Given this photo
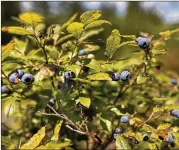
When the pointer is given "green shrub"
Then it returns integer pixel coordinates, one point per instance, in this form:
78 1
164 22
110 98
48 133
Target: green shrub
60 98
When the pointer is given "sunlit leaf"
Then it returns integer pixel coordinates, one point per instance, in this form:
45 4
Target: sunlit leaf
99 76
11 106
94 64
7 141
69 21
75 29
96 23
141 79
53 145
85 101
163 126
35 140
153 146
90 16
16 30
122 143
106 122
31 17
56 131
159 52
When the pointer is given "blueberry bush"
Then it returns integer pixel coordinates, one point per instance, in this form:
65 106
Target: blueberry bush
57 94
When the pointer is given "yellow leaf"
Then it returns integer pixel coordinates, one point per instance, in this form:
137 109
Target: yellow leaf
96 23
31 17
35 140
141 79
85 101
16 30
94 64
75 29
163 126
56 131
90 16
52 145
6 49
99 76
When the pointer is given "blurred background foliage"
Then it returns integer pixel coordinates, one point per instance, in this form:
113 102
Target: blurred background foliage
128 17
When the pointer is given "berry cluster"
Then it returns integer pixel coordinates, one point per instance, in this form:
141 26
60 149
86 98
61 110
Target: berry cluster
124 76
16 77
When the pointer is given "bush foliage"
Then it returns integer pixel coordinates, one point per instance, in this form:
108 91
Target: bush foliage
84 111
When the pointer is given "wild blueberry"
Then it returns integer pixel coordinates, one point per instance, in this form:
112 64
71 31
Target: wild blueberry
174 82
135 141
143 42
85 69
82 52
124 119
175 113
125 75
115 76
27 78
70 84
5 89
69 75
117 131
13 78
170 138
145 137
52 101
20 73
52 104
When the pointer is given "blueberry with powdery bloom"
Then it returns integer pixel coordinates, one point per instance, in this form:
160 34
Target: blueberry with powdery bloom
175 113
145 137
20 73
115 76
13 78
69 75
27 78
81 52
170 138
125 75
142 42
124 119
174 82
5 89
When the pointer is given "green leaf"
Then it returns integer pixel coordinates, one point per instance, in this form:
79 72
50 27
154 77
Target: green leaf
164 126
6 141
16 30
54 145
159 52
96 23
147 128
90 16
75 68
56 131
114 109
106 122
83 81
35 140
133 37
85 101
166 34
153 146
99 76
69 21
11 106
75 29
158 109
141 79
122 143
112 42
94 64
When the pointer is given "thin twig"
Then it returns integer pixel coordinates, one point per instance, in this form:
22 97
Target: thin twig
147 119
81 132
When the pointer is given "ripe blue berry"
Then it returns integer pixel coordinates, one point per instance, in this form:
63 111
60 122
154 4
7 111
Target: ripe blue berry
13 78
170 138
117 131
143 42
5 89
20 73
135 141
115 76
69 84
69 75
82 52
27 78
124 119
145 137
125 75
175 113
174 82
52 101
